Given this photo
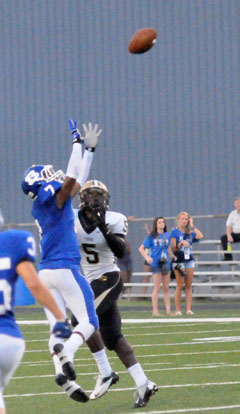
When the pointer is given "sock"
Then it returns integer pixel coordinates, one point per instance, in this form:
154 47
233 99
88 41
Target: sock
57 364
102 363
72 344
137 374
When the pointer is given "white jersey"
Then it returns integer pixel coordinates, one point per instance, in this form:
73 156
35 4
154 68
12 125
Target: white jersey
96 256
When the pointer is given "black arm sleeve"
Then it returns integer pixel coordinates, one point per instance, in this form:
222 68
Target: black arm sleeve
116 243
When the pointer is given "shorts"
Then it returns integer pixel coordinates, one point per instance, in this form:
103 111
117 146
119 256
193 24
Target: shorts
185 265
159 268
125 263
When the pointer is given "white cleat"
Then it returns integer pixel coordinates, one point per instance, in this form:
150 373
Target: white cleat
103 384
144 393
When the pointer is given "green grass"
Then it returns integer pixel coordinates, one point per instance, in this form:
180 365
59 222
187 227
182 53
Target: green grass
192 373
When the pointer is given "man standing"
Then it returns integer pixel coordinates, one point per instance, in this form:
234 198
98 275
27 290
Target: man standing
101 235
232 229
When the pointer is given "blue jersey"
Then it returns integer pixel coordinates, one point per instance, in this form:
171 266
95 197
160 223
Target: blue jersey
15 246
190 238
159 247
59 244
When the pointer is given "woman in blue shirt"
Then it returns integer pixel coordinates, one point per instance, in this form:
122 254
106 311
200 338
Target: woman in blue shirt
182 237
159 243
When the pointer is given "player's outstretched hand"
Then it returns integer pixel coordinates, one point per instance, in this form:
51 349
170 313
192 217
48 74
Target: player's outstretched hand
74 130
62 329
91 135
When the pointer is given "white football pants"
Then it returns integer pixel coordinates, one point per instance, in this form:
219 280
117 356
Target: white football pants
11 353
74 293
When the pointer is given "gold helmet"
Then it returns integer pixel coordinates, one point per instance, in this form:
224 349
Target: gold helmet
94 195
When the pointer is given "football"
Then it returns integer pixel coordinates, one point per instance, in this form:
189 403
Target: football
142 41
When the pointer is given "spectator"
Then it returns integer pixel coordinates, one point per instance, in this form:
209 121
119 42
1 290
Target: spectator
181 239
232 229
125 263
147 267
159 243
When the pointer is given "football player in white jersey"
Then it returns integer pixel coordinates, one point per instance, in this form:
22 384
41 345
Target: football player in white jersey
52 193
17 254
101 236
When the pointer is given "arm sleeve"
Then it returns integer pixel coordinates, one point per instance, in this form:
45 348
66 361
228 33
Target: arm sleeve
75 161
85 167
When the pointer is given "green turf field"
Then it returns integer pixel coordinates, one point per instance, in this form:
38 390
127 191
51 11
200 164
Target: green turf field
195 364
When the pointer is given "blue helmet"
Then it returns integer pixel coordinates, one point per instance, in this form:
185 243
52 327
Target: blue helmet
36 175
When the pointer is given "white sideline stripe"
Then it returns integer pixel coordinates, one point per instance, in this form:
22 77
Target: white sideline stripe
157 320
207 384
189 410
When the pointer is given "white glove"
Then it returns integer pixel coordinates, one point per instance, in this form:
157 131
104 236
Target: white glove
91 135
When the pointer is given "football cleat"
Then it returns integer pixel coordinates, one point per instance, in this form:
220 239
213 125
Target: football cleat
71 388
103 384
144 393
66 362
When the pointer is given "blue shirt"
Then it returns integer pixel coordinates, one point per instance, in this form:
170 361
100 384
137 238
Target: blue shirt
159 247
190 238
15 246
59 244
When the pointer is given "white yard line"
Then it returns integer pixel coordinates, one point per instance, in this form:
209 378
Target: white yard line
184 368
207 384
47 362
190 410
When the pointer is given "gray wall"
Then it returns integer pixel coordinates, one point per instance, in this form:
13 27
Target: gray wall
170 117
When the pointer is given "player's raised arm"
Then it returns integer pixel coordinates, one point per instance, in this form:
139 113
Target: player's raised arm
74 165
91 140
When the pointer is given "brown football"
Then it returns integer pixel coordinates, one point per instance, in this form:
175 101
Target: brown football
142 40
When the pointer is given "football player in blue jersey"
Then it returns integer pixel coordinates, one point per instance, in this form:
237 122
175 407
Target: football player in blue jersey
52 193
17 254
